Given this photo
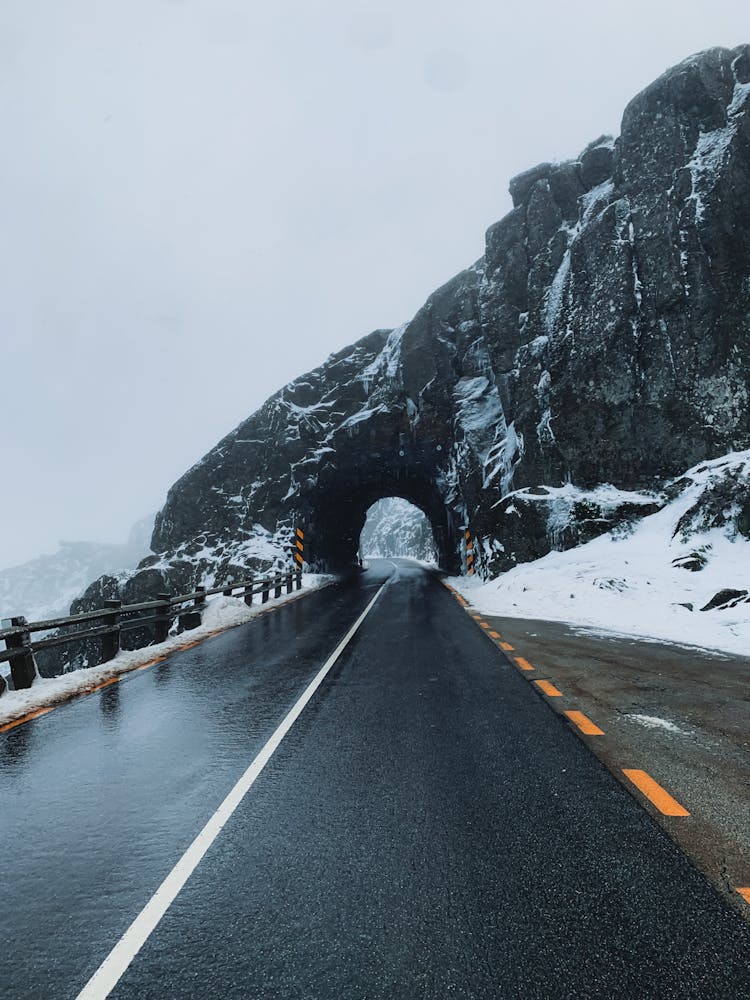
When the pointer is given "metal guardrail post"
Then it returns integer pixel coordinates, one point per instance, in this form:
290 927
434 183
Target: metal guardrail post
265 592
22 667
199 604
289 582
277 588
248 594
162 626
192 617
111 641
298 578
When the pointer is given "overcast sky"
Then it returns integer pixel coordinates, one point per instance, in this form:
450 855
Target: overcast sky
202 199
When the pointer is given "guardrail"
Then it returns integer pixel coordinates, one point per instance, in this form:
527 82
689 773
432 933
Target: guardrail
116 618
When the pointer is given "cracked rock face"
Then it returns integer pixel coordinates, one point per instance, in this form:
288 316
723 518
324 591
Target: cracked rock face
603 338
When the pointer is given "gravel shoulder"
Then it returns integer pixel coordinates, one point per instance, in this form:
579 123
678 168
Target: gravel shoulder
679 713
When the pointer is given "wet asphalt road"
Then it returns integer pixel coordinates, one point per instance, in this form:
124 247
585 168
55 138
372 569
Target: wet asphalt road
427 829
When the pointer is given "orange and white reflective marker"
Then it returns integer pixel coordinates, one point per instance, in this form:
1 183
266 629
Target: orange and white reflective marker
506 646
523 663
484 625
653 791
549 689
495 635
584 723
745 893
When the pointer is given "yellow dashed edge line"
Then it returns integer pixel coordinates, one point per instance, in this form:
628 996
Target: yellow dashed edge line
658 796
584 723
73 695
549 689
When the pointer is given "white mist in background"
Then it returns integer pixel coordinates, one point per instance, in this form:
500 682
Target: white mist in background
45 587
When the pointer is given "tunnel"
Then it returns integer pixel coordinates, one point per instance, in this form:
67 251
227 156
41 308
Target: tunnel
337 510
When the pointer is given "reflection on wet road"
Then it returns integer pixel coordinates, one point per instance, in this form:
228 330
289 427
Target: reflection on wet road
427 828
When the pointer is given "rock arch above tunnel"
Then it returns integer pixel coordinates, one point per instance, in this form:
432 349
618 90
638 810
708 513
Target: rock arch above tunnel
337 515
603 337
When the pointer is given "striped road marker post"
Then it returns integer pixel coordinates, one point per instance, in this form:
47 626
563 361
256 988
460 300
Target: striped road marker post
299 554
469 553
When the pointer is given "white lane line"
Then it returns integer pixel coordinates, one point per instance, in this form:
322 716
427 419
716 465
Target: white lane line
114 965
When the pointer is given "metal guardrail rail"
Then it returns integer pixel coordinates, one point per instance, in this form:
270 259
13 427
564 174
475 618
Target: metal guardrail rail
115 618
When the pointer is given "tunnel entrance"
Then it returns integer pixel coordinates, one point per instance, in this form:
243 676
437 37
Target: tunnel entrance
336 509
378 454
396 528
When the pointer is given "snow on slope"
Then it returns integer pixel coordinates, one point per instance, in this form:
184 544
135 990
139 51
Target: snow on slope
629 583
394 527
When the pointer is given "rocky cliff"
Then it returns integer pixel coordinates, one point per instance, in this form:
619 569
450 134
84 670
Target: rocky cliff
603 338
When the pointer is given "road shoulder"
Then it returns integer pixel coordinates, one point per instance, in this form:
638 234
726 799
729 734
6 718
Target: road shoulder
678 714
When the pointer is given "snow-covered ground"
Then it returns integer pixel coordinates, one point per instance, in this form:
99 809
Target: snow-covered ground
627 583
222 613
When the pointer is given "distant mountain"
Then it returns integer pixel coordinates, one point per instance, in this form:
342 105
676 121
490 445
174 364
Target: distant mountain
46 586
394 527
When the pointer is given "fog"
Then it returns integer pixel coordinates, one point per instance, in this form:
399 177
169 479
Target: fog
203 199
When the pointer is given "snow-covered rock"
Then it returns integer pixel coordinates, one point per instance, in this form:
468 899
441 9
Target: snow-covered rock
679 574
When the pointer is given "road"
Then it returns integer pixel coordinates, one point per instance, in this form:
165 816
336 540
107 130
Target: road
426 828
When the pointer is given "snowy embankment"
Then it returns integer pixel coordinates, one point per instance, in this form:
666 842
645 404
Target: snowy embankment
653 581
221 613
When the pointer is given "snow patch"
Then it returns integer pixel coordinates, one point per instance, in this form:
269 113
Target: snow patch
503 459
711 151
388 360
626 582
554 301
654 722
